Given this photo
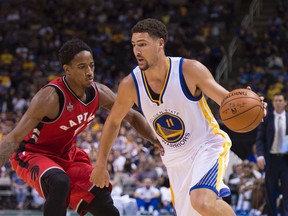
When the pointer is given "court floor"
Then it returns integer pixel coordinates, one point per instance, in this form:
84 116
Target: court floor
36 213
28 212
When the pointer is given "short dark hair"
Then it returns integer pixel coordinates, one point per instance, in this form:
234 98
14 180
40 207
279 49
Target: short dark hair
153 27
71 48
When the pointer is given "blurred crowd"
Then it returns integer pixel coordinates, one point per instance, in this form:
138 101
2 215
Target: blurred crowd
31 35
264 54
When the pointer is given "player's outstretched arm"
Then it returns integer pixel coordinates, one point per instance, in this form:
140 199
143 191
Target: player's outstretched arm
123 103
43 104
199 79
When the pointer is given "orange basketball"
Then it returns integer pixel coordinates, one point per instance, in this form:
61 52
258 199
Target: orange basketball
241 110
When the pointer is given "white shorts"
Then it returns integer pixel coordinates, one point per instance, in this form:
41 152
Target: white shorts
205 170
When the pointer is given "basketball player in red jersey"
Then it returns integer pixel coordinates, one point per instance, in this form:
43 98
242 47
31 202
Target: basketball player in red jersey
42 147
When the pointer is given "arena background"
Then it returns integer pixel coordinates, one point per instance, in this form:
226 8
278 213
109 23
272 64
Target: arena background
236 40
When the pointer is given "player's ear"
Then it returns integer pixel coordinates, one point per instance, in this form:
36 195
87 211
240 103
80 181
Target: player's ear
161 43
66 69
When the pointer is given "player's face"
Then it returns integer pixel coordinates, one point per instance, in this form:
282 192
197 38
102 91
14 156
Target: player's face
145 49
81 69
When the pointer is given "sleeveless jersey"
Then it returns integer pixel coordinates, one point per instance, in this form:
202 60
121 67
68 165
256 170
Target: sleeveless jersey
182 123
58 137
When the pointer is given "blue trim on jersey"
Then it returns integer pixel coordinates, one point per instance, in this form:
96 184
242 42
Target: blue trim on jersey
137 89
158 101
146 87
182 82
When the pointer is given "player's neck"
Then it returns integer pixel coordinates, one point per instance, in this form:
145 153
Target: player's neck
157 74
159 70
78 91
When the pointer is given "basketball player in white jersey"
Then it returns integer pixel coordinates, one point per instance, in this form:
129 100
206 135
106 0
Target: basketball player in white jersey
170 93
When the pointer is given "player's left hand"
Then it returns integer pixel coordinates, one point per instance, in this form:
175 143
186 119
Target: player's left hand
100 176
263 102
264 105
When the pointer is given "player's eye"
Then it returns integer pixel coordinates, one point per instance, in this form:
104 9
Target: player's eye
81 66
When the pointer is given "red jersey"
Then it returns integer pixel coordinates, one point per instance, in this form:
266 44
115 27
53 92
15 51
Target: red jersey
58 136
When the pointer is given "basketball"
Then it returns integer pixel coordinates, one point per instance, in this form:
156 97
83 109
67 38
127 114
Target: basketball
241 110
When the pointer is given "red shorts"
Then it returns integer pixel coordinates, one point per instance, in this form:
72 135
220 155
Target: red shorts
31 166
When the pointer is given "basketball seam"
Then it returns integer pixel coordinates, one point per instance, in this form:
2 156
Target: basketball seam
240 130
239 98
242 112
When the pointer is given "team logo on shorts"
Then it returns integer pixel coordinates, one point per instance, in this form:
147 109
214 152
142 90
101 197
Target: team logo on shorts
34 172
170 127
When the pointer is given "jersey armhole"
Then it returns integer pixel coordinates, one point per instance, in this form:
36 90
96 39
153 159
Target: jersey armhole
184 86
61 104
137 90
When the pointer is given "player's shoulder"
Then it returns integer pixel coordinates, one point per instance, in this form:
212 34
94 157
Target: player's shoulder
193 66
192 62
47 91
127 80
46 97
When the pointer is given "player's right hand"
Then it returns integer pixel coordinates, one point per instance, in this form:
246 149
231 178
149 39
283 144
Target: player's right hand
100 176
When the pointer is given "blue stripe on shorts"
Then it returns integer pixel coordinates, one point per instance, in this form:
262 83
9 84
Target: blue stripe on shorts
209 181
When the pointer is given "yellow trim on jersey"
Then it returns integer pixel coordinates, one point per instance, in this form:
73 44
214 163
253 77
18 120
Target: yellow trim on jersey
216 130
165 83
172 196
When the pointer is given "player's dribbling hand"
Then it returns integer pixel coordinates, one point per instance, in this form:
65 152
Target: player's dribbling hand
264 105
100 176
263 102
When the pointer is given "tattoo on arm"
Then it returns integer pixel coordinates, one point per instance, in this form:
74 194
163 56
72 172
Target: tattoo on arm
6 150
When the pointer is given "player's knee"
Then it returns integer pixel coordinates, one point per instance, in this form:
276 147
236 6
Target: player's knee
202 202
58 184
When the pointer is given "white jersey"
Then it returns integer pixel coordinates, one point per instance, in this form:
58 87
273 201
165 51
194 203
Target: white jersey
183 123
196 150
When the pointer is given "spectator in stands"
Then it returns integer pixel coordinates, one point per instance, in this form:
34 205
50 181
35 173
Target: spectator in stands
275 62
258 197
234 183
20 188
166 196
119 161
146 170
252 157
245 188
148 197
38 201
